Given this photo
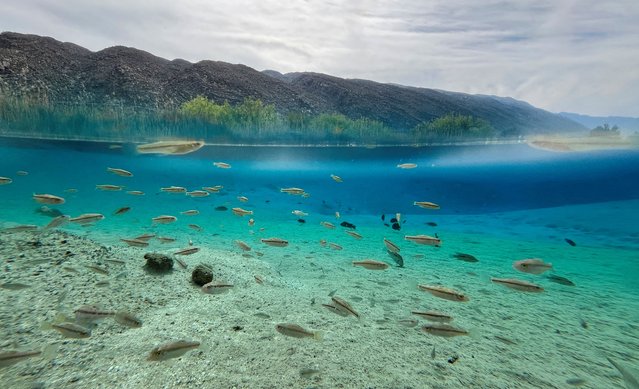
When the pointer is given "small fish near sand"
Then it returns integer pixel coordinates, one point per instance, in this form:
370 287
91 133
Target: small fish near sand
391 246
190 212
296 331
532 266
9 358
444 293
520 285
171 147
354 234
72 330
293 191
173 189
275 242
109 187
434 316
342 305
426 205
122 210
172 350
242 245
216 287
198 193
135 193
371 264
135 242
424 240
328 225
48 199
5 180
336 178
559 280
21 228
164 219
465 257
241 211
570 242
119 172
222 165
187 251
407 165
630 376
444 330
399 260
127 319
87 218
299 213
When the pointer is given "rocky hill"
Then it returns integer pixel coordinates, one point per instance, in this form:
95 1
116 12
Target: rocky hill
48 70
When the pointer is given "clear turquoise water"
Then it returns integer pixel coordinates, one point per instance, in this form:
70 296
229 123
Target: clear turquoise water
500 203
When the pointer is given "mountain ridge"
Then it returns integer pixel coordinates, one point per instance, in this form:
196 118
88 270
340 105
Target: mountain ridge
45 69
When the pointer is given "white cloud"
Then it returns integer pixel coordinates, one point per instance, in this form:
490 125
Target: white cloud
572 55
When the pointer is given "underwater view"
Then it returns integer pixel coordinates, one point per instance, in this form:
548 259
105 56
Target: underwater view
173 265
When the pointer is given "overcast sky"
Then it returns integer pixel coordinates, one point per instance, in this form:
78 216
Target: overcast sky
561 55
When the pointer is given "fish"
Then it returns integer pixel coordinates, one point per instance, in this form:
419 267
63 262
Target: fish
242 245
135 242
444 330
221 208
407 166
424 239
5 180
164 219
391 246
251 222
426 205
190 212
216 287
309 372
166 239
187 251
465 257
275 242
243 199
335 310
344 306
293 191
576 381
432 224
335 246
181 263
241 211
22 173
560 280
72 330
97 269
337 215
532 266
175 147
222 165
109 187
629 377
408 322
433 316
523 286
212 189
127 319
348 225
14 286
297 331
21 228
444 293
122 210
299 213
570 242
145 237
195 227
48 199
87 218
9 358
258 279
173 189
354 234
172 350
119 172
135 192
90 312
399 260
336 178
71 190
371 264
198 193
328 225
51 212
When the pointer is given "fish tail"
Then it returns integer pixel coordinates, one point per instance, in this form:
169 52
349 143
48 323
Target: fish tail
49 352
318 336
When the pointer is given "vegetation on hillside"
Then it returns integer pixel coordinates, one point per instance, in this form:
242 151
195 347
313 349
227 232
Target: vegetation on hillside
251 121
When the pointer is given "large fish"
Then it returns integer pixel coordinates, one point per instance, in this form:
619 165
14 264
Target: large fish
175 147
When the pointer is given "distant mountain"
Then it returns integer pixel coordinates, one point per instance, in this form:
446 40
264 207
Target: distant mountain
629 124
45 69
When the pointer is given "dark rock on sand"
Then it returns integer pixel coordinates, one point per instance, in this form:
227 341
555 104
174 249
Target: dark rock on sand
202 274
158 262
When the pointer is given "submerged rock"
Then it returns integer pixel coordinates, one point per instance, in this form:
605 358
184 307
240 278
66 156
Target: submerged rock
158 262
202 274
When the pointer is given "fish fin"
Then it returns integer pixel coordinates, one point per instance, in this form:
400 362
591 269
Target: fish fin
318 336
629 377
474 334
